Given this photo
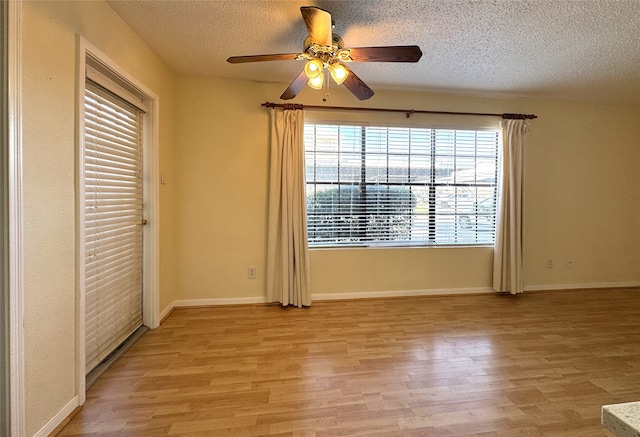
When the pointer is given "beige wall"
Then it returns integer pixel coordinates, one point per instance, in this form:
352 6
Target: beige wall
582 198
222 172
49 96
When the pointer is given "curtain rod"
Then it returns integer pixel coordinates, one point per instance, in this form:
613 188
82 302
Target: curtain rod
408 112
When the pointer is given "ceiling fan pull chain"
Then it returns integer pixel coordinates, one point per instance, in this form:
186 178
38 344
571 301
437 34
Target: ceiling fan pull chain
326 86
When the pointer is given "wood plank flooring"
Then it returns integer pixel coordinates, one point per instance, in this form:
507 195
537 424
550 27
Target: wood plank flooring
538 364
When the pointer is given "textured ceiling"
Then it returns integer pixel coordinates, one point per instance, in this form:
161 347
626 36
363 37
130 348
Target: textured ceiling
579 50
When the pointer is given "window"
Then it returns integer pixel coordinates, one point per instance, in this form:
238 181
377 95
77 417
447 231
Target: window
399 186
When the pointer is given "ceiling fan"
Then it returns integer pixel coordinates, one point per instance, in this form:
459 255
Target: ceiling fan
324 51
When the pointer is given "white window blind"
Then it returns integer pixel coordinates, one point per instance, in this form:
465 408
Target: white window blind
113 222
399 186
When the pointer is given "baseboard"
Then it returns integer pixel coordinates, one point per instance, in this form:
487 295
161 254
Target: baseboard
381 294
59 418
400 293
165 312
321 296
596 285
217 301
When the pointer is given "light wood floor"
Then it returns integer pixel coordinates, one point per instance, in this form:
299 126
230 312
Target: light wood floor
539 364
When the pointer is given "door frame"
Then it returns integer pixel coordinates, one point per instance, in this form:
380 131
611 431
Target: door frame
151 231
15 220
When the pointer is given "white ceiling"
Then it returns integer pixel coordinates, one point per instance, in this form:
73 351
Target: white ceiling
578 50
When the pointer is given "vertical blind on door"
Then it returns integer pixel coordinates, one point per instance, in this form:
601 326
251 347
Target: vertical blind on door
113 222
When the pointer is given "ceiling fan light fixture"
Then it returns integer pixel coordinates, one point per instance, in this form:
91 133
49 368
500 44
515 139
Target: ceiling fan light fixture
317 82
313 68
338 72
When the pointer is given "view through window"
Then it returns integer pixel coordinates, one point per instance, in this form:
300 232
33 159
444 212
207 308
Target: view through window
400 186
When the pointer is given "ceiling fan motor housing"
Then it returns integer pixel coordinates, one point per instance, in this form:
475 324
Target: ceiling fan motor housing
326 53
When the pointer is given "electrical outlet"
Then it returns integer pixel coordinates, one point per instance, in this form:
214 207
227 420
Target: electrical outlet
251 272
549 263
570 264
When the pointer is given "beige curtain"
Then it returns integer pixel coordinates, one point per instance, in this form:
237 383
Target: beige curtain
287 253
508 256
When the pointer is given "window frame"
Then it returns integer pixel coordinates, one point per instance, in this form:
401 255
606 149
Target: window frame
483 126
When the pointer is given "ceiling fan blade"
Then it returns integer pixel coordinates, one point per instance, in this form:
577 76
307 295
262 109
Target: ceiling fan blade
318 22
260 58
357 86
295 87
386 54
